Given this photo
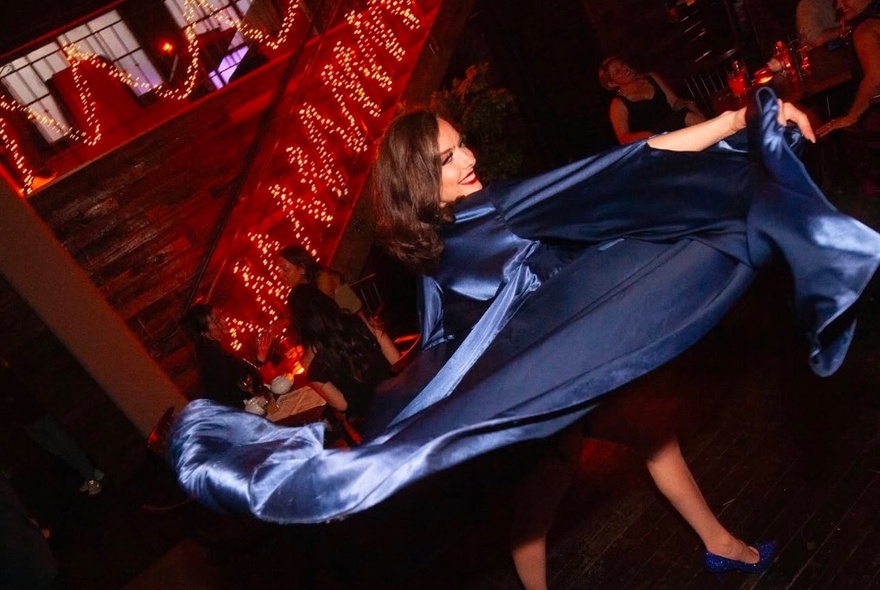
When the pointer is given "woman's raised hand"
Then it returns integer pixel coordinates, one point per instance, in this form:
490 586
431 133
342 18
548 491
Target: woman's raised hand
787 112
264 342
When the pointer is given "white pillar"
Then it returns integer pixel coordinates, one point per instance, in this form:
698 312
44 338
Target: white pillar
44 274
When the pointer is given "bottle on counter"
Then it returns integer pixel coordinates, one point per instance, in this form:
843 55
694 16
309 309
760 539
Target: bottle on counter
782 61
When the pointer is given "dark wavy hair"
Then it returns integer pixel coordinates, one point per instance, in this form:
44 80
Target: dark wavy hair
405 187
195 321
299 256
342 339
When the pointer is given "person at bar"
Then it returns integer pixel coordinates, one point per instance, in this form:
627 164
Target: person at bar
225 377
817 22
864 18
644 104
345 361
297 266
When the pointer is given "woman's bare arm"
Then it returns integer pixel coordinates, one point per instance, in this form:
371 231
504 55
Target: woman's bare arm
386 344
702 135
620 122
331 395
866 41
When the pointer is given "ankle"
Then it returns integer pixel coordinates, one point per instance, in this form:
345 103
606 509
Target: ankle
733 548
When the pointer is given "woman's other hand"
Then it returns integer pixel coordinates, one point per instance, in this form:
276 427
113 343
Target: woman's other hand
835 124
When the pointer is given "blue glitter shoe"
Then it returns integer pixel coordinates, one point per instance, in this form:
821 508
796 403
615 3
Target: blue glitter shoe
715 564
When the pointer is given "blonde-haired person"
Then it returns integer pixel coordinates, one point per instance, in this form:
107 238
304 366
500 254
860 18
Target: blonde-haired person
644 104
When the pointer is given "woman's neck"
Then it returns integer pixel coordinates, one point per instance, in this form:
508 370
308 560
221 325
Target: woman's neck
639 89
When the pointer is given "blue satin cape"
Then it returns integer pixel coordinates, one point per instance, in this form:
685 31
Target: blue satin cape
551 292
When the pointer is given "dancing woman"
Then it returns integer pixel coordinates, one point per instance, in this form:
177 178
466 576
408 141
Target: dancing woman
543 295
419 137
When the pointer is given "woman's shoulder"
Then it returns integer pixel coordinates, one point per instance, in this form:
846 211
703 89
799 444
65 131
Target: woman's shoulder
867 31
329 274
655 79
328 280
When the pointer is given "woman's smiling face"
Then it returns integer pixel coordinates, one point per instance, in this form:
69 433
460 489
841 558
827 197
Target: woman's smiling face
457 177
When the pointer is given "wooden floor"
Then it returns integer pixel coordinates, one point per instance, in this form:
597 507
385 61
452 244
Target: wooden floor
779 453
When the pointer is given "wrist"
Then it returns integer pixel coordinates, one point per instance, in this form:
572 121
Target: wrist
735 121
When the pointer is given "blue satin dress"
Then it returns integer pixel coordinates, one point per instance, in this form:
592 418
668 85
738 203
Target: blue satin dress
550 293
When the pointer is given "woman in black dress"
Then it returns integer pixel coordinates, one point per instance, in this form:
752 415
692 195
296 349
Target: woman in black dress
343 358
644 104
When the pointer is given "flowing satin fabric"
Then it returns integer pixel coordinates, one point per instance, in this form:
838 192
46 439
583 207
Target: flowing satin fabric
550 293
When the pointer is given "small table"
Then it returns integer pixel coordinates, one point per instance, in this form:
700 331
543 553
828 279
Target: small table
829 69
297 407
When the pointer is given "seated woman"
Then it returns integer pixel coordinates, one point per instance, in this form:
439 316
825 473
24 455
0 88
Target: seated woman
297 266
645 105
864 18
343 358
221 371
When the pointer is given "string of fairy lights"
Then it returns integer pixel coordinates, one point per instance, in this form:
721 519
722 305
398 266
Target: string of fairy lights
334 125
76 57
354 81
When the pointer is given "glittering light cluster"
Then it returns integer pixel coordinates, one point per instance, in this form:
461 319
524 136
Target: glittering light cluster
93 135
347 129
15 156
296 207
248 32
90 137
349 85
65 130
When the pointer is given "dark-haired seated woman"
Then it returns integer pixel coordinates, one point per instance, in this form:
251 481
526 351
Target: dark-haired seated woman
343 357
297 266
222 373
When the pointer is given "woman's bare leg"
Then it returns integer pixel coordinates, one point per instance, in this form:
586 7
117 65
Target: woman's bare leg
537 499
675 481
644 421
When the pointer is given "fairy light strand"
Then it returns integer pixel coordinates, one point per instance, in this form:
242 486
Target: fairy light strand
76 56
357 79
325 142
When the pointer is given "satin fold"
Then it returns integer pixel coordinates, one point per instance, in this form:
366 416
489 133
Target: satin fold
550 293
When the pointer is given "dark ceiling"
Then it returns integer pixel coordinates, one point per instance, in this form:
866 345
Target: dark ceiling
23 21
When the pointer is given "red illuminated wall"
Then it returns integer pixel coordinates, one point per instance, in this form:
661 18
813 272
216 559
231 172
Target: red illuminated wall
305 188
312 163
